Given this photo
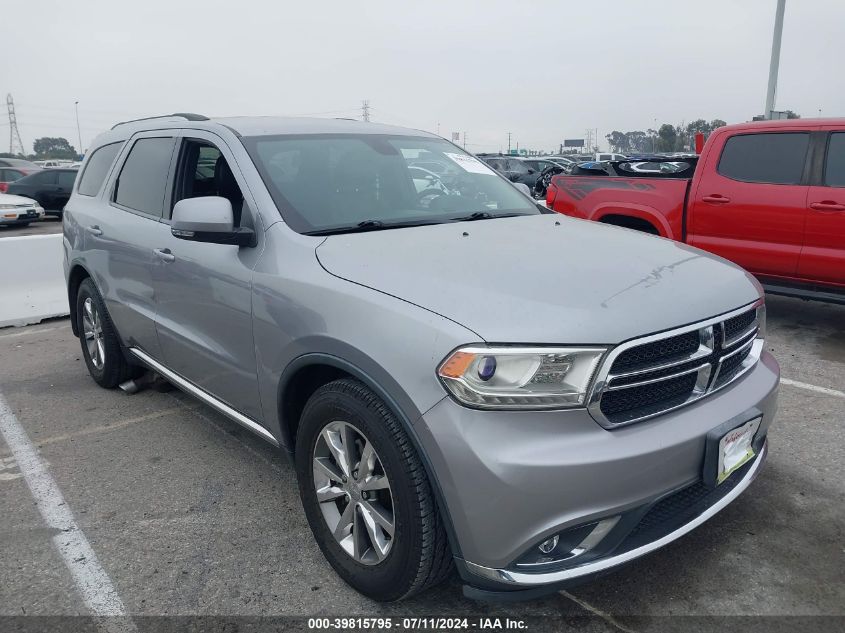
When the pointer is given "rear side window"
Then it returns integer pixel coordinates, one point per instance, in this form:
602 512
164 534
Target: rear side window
774 158
142 179
97 169
46 177
9 175
834 171
66 179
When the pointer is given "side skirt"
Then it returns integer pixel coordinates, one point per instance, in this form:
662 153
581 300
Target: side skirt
201 394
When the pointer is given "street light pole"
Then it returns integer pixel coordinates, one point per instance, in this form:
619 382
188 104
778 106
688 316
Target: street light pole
775 61
78 131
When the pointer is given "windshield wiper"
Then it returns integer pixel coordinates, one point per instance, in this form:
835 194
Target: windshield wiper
370 225
486 215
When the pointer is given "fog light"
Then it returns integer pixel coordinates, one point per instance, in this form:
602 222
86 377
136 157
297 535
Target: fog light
548 545
567 545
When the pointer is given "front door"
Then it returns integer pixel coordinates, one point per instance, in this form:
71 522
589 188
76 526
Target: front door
204 291
750 202
823 254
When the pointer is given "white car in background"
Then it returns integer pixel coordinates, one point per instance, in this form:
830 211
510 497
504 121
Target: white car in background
18 211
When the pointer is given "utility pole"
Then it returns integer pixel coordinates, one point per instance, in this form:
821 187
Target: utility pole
775 61
14 133
365 110
509 142
465 140
79 150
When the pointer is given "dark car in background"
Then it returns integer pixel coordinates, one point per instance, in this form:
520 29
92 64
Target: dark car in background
512 167
50 188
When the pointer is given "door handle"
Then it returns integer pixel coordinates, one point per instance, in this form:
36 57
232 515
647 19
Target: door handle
827 205
94 230
164 254
716 199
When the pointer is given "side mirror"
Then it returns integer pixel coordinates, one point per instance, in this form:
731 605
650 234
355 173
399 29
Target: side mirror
208 219
531 170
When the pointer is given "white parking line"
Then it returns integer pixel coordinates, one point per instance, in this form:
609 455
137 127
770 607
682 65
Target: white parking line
91 579
809 387
595 610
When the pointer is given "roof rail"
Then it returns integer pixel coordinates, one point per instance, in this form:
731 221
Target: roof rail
188 116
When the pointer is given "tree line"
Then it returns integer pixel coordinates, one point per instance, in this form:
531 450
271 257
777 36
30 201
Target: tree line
49 147
667 137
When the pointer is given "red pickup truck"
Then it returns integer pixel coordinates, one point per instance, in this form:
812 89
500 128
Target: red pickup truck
768 195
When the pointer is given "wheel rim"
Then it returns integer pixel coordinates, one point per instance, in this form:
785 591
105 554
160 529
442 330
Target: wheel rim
353 493
93 331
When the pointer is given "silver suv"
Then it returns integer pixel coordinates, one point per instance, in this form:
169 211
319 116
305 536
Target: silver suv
461 378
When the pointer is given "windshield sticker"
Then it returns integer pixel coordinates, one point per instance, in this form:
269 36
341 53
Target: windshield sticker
470 164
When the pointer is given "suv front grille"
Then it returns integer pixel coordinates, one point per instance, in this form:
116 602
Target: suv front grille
650 376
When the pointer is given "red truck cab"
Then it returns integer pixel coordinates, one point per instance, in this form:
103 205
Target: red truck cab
768 195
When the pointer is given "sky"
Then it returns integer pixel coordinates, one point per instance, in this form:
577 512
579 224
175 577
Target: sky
543 70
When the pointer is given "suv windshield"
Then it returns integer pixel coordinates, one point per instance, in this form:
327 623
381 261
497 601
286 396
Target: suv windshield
339 183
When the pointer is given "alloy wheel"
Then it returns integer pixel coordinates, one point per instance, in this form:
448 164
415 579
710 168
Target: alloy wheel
93 332
353 492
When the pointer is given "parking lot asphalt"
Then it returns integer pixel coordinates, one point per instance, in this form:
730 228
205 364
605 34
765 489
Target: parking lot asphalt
44 226
189 514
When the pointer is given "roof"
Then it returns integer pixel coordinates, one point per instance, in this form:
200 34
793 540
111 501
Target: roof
785 123
251 126
267 125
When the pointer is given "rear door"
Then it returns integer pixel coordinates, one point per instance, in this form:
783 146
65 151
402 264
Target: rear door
64 185
823 254
750 204
125 230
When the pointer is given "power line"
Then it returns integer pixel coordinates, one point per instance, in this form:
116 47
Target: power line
14 133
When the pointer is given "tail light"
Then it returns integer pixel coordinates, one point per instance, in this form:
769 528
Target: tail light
551 194
3 187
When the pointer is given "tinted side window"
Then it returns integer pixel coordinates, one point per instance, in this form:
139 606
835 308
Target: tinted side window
834 171
776 158
66 179
46 177
97 169
142 179
517 167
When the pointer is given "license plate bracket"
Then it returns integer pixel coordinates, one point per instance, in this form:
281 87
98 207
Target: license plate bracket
730 446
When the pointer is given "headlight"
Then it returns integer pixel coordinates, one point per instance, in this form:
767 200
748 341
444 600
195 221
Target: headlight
520 377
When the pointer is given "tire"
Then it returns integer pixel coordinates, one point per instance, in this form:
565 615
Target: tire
417 555
106 364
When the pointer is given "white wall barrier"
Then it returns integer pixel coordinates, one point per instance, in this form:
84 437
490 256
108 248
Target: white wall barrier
31 279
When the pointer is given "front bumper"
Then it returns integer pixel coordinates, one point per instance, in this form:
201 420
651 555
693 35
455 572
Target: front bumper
19 216
513 479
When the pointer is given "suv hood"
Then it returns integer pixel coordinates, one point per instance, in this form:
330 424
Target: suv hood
543 279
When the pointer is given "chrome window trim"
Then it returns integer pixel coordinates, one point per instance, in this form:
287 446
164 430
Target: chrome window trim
604 377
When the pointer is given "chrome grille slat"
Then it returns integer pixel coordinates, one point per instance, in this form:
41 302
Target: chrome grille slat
729 342
693 370
701 352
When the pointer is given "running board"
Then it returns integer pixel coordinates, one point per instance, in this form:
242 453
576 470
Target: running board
206 397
